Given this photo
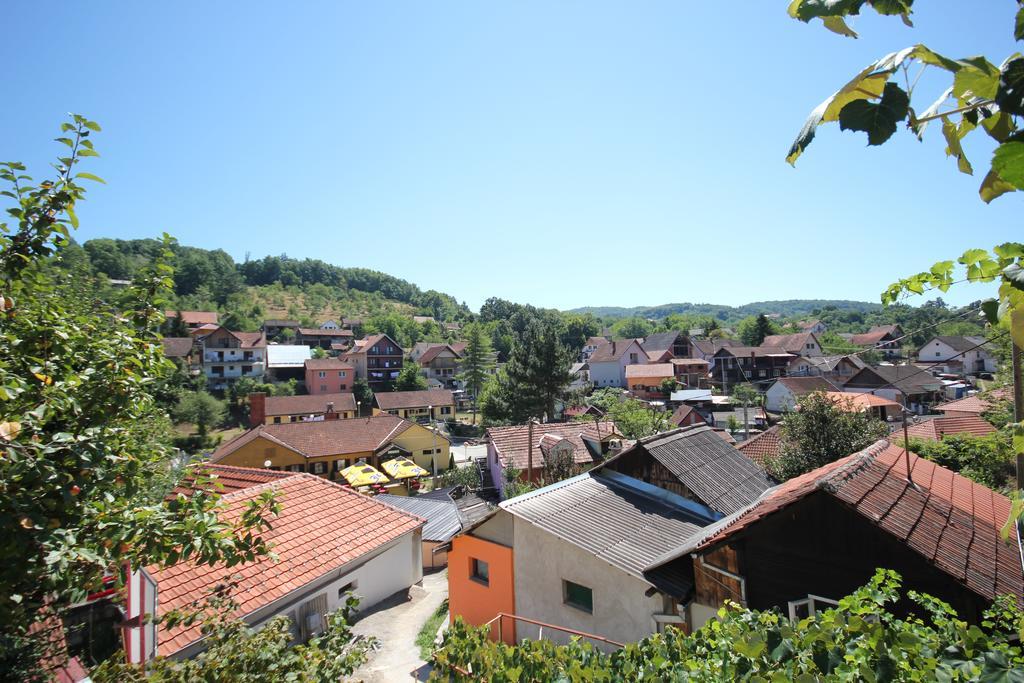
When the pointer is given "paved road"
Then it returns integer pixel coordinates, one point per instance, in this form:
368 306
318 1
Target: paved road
396 623
464 454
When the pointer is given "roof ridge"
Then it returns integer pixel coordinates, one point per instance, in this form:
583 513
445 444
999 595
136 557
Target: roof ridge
835 479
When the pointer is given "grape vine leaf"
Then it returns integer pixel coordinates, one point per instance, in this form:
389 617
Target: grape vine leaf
877 119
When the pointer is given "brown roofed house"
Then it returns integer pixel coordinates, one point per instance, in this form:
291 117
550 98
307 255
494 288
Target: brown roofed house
427 405
804 544
940 427
329 446
265 409
328 376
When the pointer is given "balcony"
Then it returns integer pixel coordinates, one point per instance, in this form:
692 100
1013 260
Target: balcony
233 356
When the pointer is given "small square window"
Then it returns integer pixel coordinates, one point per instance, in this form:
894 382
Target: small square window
480 572
580 597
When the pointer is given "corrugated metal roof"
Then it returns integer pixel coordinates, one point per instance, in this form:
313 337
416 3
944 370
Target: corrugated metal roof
442 516
287 355
719 475
616 518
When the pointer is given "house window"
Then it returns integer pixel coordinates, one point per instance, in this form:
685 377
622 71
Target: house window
480 572
809 606
323 388
341 373
446 410
427 451
318 467
322 374
580 597
296 468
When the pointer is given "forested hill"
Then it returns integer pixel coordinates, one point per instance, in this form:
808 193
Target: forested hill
273 286
790 308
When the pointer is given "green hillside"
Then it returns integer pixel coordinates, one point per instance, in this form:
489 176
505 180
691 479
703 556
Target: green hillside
790 308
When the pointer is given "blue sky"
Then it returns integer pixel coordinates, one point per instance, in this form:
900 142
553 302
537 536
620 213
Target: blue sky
555 153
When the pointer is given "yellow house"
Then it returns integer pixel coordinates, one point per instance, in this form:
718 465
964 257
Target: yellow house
422 406
327 447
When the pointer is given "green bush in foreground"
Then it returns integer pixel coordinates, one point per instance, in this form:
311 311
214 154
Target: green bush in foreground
860 640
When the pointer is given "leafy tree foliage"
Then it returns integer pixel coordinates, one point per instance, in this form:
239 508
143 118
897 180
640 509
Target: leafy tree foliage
514 484
632 328
981 96
81 469
753 330
410 378
535 377
202 410
862 639
821 431
987 459
634 419
235 652
362 392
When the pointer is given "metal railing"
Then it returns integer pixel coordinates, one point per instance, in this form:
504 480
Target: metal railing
500 618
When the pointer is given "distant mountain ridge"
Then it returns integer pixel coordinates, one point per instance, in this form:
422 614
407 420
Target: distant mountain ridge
786 308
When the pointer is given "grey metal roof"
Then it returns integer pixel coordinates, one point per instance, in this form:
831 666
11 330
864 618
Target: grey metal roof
442 516
620 520
718 474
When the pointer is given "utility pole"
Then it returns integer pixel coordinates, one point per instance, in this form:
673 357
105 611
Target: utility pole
529 450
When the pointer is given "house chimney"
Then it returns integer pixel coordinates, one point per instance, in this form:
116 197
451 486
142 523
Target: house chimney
330 414
257 408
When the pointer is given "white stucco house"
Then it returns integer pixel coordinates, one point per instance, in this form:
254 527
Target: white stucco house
329 541
608 363
783 394
958 354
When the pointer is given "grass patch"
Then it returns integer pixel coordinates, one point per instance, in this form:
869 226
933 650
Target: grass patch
425 638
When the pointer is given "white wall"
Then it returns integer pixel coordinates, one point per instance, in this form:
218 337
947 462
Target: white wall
621 610
779 398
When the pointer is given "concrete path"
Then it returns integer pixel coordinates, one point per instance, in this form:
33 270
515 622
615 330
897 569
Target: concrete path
465 454
395 623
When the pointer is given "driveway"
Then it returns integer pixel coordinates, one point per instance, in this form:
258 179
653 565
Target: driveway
395 623
466 454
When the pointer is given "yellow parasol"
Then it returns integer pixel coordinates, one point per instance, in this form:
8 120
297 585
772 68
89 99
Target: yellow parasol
362 474
403 468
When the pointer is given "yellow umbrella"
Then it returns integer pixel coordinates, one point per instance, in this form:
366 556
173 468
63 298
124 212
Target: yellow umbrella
363 475
403 468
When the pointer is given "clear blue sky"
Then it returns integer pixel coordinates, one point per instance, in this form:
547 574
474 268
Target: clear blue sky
554 153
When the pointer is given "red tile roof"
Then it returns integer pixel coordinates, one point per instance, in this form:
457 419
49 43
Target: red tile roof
512 443
799 386
650 370
794 343
321 528
308 405
686 415
612 351
226 479
434 351
939 427
331 437
326 364
971 404
946 518
177 347
763 447
194 317
876 335
394 400
860 401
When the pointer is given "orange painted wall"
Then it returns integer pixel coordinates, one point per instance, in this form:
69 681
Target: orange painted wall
470 599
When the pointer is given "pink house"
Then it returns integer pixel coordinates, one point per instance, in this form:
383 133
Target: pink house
328 376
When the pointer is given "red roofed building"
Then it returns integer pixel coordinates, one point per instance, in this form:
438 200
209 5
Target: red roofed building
228 355
936 429
328 540
194 319
763 447
512 447
881 338
328 376
806 543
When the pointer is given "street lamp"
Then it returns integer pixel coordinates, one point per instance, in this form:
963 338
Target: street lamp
433 442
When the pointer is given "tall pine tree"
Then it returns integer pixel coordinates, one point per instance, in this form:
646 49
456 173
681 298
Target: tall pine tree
476 362
537 373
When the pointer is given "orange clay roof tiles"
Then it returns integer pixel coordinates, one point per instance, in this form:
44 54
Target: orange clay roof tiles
939 427
321 527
